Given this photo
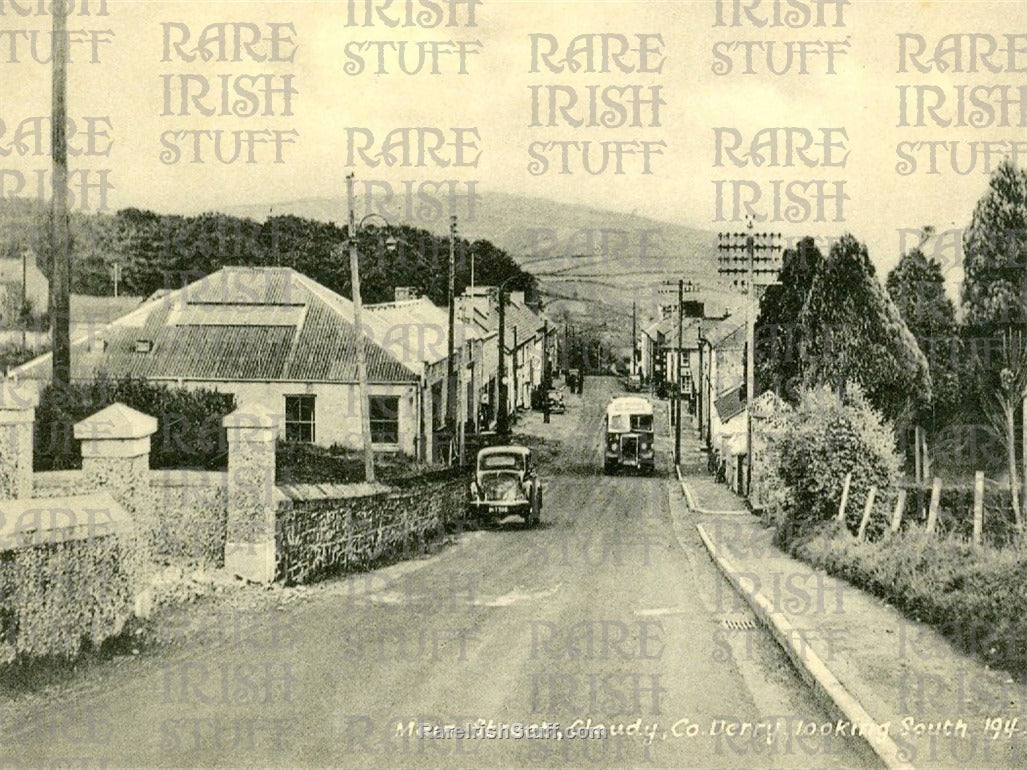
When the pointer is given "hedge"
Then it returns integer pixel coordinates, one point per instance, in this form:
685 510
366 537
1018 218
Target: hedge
189 432
976 597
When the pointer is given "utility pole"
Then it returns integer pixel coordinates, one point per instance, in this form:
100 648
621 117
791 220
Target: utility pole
502 423
452 415
634 337
546 375
700 395
23 316
761 270
60 260
750 357
358 329
514 366
677 384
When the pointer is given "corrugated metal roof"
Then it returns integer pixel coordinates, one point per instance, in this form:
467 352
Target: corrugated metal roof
429 324
265 324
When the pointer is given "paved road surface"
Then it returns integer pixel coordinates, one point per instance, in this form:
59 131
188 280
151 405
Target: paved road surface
610 612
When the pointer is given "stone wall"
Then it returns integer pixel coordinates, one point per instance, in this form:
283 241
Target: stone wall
322 530
191 510
57 483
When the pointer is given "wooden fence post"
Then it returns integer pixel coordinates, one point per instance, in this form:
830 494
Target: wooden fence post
845 496
900 506
932 512
867 510
978 506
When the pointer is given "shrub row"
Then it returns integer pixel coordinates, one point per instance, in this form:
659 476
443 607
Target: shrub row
976 597
189 432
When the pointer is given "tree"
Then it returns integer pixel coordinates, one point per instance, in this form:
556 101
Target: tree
995 255
851 332
777 340
1003 397
917 287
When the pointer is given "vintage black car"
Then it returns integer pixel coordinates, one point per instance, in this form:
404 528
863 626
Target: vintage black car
505 483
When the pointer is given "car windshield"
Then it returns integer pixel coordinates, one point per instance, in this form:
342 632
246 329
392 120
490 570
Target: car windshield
500 462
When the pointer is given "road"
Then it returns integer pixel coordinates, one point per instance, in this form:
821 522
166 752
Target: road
609 612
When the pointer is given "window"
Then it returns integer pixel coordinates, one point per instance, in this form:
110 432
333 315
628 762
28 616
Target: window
618 423
384 419
299 418
642 422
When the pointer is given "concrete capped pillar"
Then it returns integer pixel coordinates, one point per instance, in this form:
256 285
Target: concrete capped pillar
252 502
116 458
18 401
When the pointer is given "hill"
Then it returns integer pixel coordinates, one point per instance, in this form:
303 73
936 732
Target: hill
589 261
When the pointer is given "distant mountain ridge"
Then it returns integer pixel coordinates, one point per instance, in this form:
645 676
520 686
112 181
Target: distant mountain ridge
546 236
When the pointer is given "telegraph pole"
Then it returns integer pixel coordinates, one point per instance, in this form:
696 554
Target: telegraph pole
677 384
546 375
634 337
60 260
502 423
451 365
358 329
750 340
516 390
453 418
757 269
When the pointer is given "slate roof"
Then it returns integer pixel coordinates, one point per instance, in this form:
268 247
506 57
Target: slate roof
730 403
524 320
238 324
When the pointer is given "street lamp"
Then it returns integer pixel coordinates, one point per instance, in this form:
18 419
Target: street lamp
502 417
354 267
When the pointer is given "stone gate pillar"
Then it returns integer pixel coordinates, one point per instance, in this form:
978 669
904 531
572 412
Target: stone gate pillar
18 401
116 458
250 543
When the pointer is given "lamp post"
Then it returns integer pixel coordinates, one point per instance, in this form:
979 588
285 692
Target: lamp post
354 268
502 417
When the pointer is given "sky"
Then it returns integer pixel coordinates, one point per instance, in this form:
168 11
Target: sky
494 116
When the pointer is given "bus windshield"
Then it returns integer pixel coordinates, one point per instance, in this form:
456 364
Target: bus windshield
618 423
642 422
623 423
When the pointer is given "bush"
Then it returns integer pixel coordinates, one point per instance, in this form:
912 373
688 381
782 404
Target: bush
302 463
189 432
824 439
